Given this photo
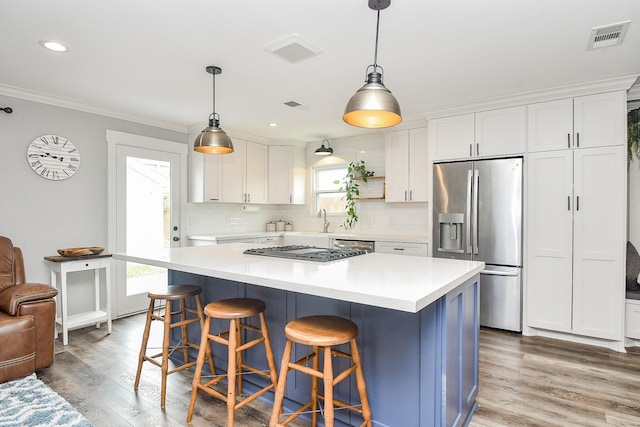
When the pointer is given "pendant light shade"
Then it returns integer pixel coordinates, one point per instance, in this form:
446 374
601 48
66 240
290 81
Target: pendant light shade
373 105
324 151
213 140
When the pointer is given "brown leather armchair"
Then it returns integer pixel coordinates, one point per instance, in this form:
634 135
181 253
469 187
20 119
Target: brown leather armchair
27 318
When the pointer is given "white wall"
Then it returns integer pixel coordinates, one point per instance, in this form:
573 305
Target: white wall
41 216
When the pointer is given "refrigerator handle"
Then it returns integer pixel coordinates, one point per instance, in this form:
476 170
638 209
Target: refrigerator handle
476 190
467 223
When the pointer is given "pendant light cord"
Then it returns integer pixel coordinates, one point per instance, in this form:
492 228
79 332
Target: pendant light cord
214 95
375 57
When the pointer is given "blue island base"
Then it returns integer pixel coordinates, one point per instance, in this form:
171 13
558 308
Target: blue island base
421 369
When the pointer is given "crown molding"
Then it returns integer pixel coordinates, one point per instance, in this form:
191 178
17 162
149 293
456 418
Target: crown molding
634 93
73 105
601 86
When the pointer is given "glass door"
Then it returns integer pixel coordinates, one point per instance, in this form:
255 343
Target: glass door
147 200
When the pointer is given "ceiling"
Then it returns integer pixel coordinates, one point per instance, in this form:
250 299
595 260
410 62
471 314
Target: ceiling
146 59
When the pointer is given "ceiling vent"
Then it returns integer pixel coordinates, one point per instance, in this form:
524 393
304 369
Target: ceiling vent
298 106
293 49
607 35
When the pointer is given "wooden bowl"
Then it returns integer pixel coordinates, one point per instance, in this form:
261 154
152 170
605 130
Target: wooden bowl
92 250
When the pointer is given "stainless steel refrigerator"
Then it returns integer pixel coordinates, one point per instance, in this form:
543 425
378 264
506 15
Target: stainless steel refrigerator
477 215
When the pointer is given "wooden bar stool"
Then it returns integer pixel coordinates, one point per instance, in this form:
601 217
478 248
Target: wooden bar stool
171 293
321 333
235 310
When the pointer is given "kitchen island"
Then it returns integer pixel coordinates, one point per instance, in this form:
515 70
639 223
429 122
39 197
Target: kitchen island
418 321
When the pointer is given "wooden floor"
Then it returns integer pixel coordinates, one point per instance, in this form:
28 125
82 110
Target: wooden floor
524 381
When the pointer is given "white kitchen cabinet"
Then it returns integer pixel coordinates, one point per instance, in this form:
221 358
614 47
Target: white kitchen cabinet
225 241
320 240
401 248
576 241
501 132
205 177
484 134
287 172
245 173
582 122
452 137
406 158
271 240
632 319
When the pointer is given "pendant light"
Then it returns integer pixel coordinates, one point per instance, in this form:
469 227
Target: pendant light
324 151
213 140
373 105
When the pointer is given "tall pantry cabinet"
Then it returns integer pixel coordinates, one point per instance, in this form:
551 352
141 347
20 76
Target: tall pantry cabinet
576 215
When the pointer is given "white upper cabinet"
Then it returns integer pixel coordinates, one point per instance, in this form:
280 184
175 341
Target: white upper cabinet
550 125
212 178
484 134
452 137
600 120
582 122
286 174
245 173
406 159
501 132
205 177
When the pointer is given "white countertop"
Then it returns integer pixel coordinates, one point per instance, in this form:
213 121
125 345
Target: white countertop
353 236
397 282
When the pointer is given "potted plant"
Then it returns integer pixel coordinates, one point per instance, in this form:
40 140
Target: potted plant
633 134
356 172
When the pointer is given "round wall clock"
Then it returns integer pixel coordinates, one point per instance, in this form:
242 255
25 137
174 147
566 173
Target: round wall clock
53 157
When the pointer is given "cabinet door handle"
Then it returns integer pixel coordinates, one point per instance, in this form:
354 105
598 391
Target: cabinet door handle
405 195
470 150
577 203
477 149
578 139
290 198
568 203
568 140
410 195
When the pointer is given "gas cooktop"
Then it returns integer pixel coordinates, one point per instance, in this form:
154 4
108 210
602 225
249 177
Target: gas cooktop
306 253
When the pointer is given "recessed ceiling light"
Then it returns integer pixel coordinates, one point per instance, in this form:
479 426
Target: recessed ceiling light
55 46
273 125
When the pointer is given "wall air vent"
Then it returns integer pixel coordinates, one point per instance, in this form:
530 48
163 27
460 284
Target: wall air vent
607 35
293 49
298 106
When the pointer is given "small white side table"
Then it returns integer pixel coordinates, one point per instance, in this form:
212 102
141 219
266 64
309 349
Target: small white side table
61 266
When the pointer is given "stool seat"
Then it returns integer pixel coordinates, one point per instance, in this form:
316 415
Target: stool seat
175 292
321 333
234 308
238 339
321 330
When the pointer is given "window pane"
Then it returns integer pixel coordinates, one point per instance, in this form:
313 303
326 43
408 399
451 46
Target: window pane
332 202
326 177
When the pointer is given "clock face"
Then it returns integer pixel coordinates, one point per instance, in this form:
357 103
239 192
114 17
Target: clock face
53 157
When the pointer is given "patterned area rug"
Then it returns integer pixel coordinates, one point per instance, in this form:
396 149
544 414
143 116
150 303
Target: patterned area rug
28 402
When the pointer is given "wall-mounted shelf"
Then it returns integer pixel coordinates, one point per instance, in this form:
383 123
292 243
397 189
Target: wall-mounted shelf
373 189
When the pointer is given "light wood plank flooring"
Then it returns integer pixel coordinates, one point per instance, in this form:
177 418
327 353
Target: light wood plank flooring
524 381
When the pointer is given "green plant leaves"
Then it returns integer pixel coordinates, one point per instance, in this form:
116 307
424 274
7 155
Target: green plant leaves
355 172
633 134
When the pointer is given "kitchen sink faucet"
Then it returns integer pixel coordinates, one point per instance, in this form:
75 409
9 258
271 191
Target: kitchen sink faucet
322 213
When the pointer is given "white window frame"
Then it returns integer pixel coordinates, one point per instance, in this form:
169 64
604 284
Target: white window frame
317 192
